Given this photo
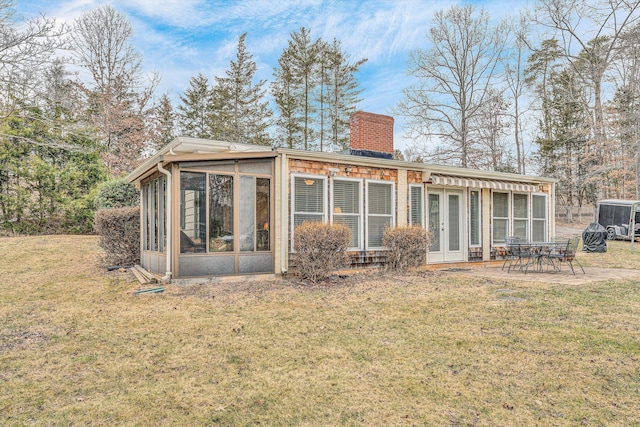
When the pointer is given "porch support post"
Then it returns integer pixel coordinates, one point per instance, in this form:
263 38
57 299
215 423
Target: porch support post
167 214
401 217
486 224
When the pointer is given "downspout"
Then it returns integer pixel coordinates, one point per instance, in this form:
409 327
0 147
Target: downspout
167 215
284 226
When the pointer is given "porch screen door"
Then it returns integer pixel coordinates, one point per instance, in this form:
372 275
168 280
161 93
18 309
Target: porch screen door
446 224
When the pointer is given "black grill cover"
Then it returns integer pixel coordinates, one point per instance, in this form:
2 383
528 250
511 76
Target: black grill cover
594 238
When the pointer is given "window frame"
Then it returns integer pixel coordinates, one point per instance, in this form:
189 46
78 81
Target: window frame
546 215
392 216
493 217
325 204
526 218
360 210
422 204
154 214
236 174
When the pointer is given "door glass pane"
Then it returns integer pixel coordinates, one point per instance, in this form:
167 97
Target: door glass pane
262 214
247 213
192 212
221 213
434 222
454 222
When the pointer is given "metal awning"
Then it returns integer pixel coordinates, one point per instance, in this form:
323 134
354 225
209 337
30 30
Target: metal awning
456 181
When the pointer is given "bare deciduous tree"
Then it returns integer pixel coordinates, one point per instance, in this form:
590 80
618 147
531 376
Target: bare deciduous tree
26 47
453 78
514 72
590 31
117 97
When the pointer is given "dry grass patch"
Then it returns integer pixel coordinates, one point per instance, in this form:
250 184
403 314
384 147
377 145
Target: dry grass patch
618 255
431 348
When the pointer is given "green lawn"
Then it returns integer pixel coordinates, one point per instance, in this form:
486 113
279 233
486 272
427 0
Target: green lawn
430 348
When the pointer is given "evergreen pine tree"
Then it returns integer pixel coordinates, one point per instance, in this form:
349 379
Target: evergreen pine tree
195 110
242 113
343 93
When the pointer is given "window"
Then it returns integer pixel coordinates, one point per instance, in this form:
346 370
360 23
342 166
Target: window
434 222
416 205
263 216
380 208
475 223
539 218
193 226
254 214
225 211
500 217
163 222
308 199
347 207
220 213
146 206
154 221
521 216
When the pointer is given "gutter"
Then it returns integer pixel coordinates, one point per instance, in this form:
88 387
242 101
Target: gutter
284 227
167 215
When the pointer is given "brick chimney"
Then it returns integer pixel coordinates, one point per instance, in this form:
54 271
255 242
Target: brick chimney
371 135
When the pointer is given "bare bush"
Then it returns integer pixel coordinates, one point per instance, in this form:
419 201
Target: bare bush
407 247
320 249
119 231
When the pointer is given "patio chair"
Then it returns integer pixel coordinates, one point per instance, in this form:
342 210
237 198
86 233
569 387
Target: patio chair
566 254
510 242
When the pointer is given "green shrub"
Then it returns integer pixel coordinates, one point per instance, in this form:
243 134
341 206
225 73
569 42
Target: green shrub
407 247
119 231
117 193
320 249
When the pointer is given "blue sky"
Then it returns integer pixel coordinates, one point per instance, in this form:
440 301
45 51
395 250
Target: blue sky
181 38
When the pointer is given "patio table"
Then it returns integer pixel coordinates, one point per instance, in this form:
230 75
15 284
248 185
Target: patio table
536 255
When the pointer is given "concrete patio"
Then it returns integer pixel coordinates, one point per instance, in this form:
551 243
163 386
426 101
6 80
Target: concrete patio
593 274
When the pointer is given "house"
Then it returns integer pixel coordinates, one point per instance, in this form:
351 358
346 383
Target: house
212 208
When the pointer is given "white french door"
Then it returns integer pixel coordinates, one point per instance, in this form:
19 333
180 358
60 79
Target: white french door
445 211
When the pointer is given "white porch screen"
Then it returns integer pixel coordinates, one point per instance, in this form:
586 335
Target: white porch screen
379 212
346 208
308 200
